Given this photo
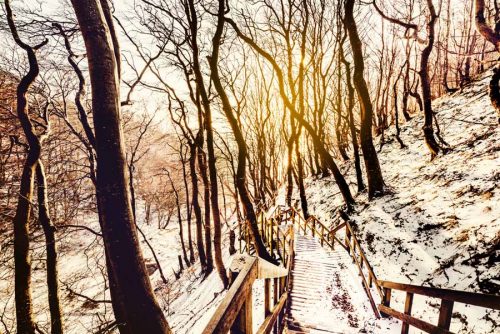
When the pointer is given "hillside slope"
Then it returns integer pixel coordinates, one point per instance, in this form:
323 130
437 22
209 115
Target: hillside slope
439 224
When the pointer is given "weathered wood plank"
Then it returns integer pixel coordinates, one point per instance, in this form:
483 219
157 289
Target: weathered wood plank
471 298
270 320
445 313
408 305
420 324
235 298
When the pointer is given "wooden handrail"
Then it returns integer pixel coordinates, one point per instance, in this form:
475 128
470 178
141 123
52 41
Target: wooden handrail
364 281
235 298
233 313
464 297
408 319
337 228
371 275
269 322
277 241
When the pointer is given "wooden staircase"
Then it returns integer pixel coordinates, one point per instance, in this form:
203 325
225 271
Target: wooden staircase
310 308
326 285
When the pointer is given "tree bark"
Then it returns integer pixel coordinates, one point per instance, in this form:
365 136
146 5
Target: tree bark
373 171
352 127
22 257
426 84
492 36
240 140
188 209
196 206
141 310
202 162
49 229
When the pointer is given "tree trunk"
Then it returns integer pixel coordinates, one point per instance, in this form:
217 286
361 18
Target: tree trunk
196 206
141 310
289 167
240 140
22 257
426 85
492 36
189 209
207 228
51 249
352 127
373 171
179 220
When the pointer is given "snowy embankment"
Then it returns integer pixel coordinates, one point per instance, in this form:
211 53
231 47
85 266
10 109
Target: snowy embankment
439 224
84 294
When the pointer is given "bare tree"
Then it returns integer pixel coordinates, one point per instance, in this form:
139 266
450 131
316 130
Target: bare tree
423 72
492 36
372 165
242 148
22 259
141 310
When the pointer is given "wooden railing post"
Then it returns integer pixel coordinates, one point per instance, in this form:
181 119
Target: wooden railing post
408 304
348 238
247 237
262 225
275 288
445 313
240 236
386 301
322 234
243 322
267 297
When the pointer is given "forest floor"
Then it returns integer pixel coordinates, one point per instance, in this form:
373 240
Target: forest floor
438 225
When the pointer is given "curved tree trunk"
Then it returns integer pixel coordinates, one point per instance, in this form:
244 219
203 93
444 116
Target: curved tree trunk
56 324
428 129
373 171
141 310
22 257
240 140
196 206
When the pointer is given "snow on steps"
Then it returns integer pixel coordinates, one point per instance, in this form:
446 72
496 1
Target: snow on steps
326 294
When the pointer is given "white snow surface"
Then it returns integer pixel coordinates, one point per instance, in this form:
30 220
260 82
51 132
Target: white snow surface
439 223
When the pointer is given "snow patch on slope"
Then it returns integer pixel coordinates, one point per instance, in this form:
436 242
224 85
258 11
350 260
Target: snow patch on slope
440 223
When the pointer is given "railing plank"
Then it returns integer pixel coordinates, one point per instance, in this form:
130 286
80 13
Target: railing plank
408 305
471 298
445 313
243 323
235 298
420 324
269 322
267 296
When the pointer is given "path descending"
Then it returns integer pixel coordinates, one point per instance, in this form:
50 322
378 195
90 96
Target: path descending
326 294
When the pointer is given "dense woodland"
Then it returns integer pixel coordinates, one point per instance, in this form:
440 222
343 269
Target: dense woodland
117 117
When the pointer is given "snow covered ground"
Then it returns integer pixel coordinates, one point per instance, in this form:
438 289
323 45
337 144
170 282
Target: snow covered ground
439 225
